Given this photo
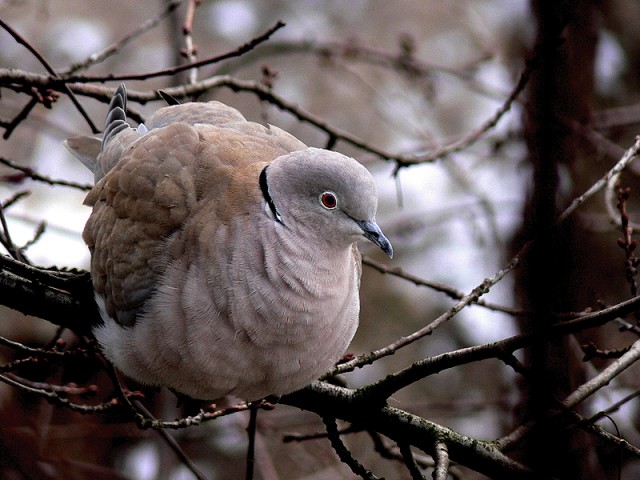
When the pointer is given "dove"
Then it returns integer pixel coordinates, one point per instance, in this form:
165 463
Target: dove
223 252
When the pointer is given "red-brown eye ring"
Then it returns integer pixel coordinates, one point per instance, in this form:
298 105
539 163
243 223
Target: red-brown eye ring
328 200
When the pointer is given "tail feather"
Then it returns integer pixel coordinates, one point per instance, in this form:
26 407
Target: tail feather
100 154
116 116
85 149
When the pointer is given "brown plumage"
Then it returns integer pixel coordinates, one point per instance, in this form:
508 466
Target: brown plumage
219 260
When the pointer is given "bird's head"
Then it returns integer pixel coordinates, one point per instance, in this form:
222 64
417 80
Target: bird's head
325 193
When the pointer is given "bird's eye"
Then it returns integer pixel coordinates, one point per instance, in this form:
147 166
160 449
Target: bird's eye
328 200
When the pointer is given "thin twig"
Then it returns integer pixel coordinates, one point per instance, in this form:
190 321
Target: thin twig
613 407
15 364
173 444
53 396
33 175
250 45
70 389
7 242
51 71
379 391
628 327
194 419
413 69
468 299
627 243
40 229
294 437
476 134
508 442
609 178
10 77
603 378
393 453
23 114
41 351
190 51
600 432
579 395
251 448
439 287
115 47
14 198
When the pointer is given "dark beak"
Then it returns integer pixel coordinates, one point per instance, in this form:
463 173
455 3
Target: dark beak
372 231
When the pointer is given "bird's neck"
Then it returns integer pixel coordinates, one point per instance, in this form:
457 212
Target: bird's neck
316 265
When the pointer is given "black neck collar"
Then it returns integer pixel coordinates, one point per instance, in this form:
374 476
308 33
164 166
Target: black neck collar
264 187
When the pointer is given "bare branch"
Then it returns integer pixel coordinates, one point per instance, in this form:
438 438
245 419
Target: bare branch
487 283
190 51
338 402
441 457
251 44
33 175
381 390
9 127
402 60
343 452
53 396
603 378
7 242
628 157
49 69
410 461
439 287
116 47
477 133
468 299
62 298
173 445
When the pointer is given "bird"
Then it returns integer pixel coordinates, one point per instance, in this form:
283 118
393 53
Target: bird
224 254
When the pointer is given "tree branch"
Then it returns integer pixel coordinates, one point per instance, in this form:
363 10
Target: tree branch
62 298
383 389
338 402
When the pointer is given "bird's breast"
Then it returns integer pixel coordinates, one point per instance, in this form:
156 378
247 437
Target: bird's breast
255 317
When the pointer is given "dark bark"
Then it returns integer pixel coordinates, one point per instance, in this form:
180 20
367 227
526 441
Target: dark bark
64 298
559 93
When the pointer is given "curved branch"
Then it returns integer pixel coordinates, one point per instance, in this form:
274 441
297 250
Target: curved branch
383 389
250 45
343 452
470 298
438 287
115 47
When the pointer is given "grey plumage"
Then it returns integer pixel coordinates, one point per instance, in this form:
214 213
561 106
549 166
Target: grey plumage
224 253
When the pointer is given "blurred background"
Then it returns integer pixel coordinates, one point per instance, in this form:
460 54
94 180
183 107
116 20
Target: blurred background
406 77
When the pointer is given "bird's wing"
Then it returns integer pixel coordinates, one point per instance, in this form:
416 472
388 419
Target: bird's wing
154 181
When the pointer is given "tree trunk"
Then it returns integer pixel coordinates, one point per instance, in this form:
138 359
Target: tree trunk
559 93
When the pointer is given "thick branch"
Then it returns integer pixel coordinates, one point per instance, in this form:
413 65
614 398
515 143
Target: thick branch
332 401
62 298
